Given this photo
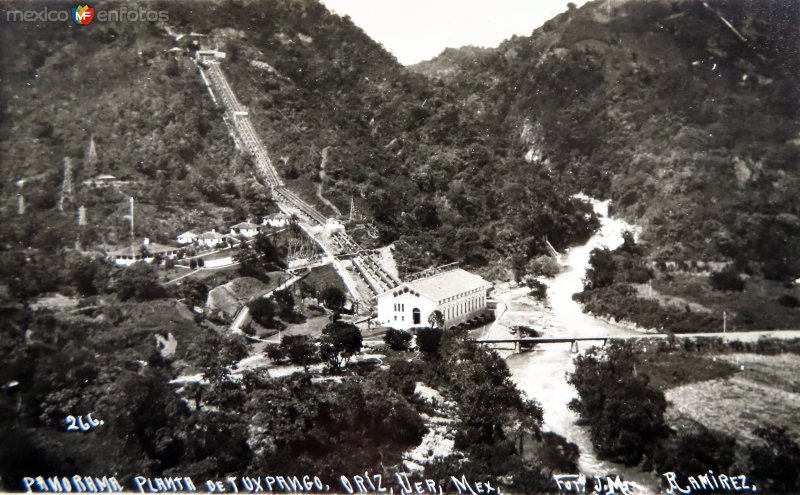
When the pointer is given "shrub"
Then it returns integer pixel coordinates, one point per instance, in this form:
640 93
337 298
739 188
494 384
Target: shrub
299 349
789 301
192 263
726 280
274 352
139 281
696 452
397 340
200 263
263 311
538 289
543 266
774 462
429 340
333 298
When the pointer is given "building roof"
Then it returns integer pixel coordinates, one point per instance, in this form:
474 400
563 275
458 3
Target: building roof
188 233
278 216
246 225
447 284
211 236
134 250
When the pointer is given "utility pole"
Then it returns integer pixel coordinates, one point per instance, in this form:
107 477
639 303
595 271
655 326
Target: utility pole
66 184
130 201
724 321
91 155
351 210
20 197
82 216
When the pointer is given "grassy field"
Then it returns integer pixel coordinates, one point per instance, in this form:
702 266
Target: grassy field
730 392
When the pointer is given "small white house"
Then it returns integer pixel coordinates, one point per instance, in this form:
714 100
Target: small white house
211 239
277 220
245 229
146 251
458 294
187 237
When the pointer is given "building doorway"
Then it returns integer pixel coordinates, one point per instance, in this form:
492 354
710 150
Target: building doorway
416 316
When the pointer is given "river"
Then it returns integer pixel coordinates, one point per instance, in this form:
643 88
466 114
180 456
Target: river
541 373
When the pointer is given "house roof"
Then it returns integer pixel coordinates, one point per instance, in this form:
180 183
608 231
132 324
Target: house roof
246 225
447 284
136 249
188 233
211 236
278 216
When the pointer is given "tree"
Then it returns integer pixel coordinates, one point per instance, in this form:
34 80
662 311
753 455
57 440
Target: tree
200 263
263 311
625 414
333 298
269 255
436 319
602 269
538 289
139 281
339 342
285 301
194 292
397 340
299 349
88 274
429 340
249 264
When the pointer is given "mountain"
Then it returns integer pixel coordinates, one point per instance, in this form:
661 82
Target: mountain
685 114
452 61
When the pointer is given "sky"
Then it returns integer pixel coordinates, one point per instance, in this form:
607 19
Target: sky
417 30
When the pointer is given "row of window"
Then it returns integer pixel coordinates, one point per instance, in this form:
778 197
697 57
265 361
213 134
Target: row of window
465 307
399 307
459 296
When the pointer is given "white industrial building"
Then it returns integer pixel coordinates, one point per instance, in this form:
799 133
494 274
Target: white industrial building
458 294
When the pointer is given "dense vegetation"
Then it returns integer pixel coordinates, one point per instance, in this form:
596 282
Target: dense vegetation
625 412
684 298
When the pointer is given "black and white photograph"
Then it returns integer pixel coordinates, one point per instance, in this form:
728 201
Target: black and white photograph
402 247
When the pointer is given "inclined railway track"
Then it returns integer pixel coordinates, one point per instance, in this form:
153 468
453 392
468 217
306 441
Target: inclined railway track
373 274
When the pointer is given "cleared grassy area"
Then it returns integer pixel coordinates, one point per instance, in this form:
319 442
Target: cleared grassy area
736 405
667 370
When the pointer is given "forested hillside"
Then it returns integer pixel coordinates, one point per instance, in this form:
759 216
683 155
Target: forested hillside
686 115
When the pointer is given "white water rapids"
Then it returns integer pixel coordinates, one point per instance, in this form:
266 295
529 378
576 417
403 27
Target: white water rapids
541 374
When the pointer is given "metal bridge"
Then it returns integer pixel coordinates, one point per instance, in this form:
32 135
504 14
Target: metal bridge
573 341
374 275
